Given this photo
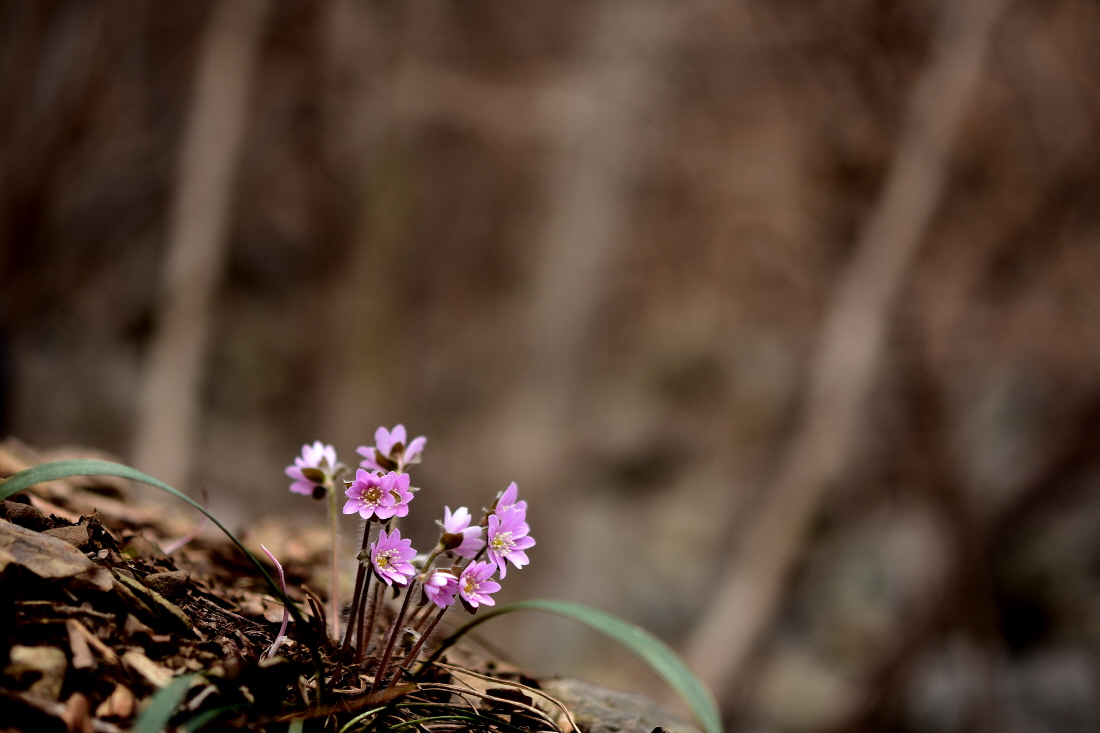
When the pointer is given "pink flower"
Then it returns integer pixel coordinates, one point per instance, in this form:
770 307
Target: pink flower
390 556
370 497
312 468
440 588
474 585
390 450
508 539
458 536
397 486
507 500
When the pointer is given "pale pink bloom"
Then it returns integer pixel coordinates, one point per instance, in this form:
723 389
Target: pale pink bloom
391 450
369 496
474 585
390 556
459 524
397 486
319 462
507 500
508 539
440 588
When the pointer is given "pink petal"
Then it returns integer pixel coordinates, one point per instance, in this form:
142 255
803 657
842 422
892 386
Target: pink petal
382 441
415 447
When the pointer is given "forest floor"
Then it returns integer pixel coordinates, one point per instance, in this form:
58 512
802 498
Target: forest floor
96 617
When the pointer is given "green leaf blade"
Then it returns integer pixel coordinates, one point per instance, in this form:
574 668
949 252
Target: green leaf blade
163 706
651 650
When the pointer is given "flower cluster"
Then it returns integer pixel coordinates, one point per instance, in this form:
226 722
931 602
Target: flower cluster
453 572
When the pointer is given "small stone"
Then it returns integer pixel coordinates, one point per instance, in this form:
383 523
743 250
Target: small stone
77 535
141 548
24 515
170 584
600 710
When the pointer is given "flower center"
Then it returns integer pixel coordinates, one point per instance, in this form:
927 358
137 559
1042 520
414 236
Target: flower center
503 542
471 585
372 495
382 560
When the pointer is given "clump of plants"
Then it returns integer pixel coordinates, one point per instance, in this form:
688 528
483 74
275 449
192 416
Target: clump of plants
430 584
384 665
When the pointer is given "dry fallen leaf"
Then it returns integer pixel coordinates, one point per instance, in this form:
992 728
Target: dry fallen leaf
79 629
47 557
156 674
76 715
120 704
78 643
47 661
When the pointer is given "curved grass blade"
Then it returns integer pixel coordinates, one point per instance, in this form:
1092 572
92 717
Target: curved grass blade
651 650
207 716
91 467
361 719
163 705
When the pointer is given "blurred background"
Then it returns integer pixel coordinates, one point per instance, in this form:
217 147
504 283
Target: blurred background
781 314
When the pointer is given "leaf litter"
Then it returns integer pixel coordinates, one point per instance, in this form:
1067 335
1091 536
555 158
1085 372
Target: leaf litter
95 618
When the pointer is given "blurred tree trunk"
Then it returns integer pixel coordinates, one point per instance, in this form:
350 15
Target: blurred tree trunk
850 348
168 411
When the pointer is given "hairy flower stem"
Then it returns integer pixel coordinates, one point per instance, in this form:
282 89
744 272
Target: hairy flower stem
362 639
334 602
410 659
355 613
395 629
354 610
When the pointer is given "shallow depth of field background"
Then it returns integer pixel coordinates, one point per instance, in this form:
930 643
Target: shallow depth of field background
592 247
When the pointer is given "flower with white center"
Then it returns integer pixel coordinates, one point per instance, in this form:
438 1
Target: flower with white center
370 497
474 585
508 539
390 556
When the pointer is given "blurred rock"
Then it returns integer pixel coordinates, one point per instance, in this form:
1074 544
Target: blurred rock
600 710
